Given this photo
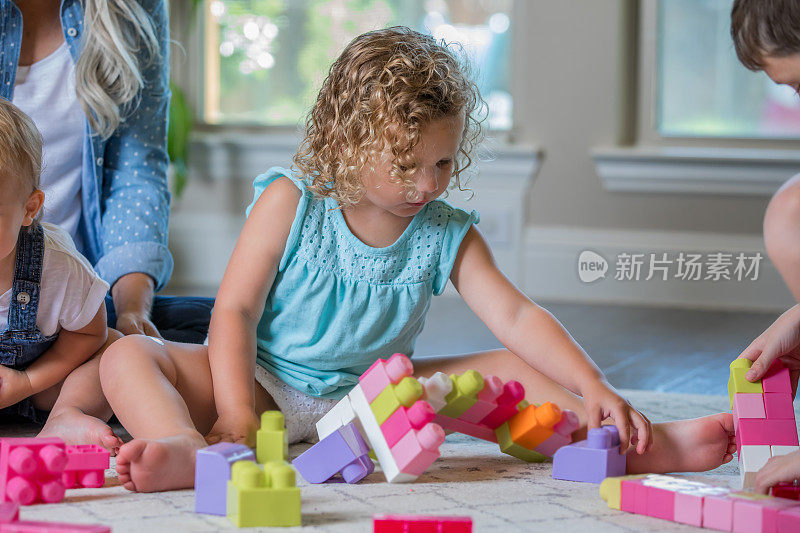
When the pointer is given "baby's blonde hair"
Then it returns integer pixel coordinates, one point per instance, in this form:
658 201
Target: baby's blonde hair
20 146
383 90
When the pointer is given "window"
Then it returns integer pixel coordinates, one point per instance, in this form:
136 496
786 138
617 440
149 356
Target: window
701 88
265 59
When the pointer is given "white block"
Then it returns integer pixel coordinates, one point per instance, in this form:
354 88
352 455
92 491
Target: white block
340 415
752 458
435 389
783 450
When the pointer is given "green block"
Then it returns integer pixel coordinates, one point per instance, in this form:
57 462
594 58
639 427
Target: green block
263 498
513 449
737 383
464 394
272 441
405 393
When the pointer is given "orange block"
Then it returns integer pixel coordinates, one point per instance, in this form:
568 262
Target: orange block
534 425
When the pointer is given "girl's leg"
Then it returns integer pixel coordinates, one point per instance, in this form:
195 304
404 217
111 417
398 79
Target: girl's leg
79 410
687 445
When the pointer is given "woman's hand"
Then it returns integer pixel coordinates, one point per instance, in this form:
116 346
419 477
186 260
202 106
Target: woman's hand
780 341
239 427
133 297
14 386
602 401
783 468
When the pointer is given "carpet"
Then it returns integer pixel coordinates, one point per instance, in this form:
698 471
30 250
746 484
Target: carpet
472 478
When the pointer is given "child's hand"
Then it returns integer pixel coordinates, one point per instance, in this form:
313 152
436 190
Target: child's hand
14 386
238 427
780 340
602 401
783 468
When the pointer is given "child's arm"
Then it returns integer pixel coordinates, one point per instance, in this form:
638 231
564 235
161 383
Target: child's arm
536 336
780 469
780 340
238 308
70 350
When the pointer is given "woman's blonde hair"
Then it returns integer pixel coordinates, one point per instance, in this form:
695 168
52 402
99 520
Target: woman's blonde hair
20 146
382 91
108 74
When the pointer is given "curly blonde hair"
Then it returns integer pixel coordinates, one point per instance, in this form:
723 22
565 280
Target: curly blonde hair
382 91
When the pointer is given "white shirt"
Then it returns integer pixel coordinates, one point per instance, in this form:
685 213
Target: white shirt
70 291
45 91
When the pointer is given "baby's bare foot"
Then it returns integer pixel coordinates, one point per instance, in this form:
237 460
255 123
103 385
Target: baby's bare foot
694 445
73 426
145 465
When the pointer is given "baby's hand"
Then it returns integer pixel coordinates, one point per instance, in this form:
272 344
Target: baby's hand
14 386
780 340
783 468
237 427
602 401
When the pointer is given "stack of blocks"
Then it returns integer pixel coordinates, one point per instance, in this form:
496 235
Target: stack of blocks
10 523
386 408
591 460
763 417
393 523
343 451
696 504
31 470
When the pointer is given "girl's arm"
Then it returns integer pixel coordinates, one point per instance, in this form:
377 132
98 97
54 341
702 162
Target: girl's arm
533 334
238 308
70 350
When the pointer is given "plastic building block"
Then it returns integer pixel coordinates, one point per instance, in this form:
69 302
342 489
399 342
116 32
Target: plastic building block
534 425
384 373
562 434
9 512
611 489
343 451
509 447
405 419
738 383
272 442
749 405
386 523
464 394
211 473
393 396
689 508
436 388
786 490
486 400
778 405
760 515
777 379
633 496
459 425
340 415
783 450
772 432
789 520
25 526
751 459
591 460
86 466
263 498
417 450
31 470
660 503
718 512
513 394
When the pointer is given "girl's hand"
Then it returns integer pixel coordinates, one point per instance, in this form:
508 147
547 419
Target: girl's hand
780 340
602 401
238 427
14 386
783 468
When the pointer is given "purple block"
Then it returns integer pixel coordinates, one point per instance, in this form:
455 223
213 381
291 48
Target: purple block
343 451
211 474
591 460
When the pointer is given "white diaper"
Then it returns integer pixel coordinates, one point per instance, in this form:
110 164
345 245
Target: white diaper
300 411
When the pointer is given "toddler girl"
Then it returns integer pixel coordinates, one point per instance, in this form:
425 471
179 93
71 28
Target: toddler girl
336 266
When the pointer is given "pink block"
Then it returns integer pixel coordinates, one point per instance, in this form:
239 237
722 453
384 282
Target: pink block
467 428
748 405
779 405
633 496
9 512
31 469
513 393
384 373
759 516
86 466
51 527
562 434
777 379
789 520
405 419
689 509
417 450
718 513
660 503
777 432
394 523
487 400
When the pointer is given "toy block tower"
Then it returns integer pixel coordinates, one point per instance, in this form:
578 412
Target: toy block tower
31 470
763 417
263 498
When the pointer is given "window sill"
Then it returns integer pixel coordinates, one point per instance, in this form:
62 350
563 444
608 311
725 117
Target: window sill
722 171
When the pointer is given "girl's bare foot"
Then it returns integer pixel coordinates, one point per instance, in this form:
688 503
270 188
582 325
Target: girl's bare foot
73 426
145 465
694 445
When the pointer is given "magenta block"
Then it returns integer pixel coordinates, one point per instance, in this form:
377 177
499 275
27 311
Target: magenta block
390 523
777 379
748 405
343 451
633 496
789 520
591 460
31 470
774 432
660 503
212 470
562 434
9 512
786 490
513 393
466 428
718 513
779 405
417 450
86 466
758 515
51 527
405 419
384 373
487 400
689 509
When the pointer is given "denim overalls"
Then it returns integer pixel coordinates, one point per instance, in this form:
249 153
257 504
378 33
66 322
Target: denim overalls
22 342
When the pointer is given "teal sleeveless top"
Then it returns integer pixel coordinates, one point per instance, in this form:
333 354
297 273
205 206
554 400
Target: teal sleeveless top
337 304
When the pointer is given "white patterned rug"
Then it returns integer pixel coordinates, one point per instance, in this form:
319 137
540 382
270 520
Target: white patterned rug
471 478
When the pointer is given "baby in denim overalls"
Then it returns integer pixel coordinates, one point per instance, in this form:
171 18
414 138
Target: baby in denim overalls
52 312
